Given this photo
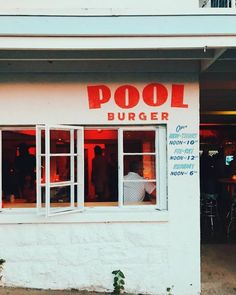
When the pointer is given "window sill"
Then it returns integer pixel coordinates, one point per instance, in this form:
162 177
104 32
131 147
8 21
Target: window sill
116 215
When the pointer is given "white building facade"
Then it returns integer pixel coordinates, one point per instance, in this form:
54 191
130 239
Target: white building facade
124 76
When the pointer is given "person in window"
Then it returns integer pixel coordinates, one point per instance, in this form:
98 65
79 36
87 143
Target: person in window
99 175
9 180
135 191
25 164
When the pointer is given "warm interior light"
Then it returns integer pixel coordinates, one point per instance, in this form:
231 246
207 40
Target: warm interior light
205 133
220 113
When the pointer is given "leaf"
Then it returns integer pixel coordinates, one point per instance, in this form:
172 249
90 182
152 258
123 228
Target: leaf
118 281
2 261
117 290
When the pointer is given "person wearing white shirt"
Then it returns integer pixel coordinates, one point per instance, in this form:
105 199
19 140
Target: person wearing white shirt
134 191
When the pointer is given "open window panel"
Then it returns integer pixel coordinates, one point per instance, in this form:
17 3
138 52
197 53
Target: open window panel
18 163
60 173
142 162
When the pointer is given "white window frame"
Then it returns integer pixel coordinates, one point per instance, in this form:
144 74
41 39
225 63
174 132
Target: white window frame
161 143
49 211
160 162
161 167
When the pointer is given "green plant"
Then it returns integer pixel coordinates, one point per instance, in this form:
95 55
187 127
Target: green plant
118 282
2 261
169 290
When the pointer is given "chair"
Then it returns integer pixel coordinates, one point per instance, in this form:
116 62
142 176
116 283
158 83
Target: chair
209 208
232 217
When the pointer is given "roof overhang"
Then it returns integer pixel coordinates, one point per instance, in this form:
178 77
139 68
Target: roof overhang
115 26
203 44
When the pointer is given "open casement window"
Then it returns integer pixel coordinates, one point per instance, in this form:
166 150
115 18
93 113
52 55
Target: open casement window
142 166
60 173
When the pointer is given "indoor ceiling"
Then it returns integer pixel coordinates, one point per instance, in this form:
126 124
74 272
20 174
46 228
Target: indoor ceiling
218 90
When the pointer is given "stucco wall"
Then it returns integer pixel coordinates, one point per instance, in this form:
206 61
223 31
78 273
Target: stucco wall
83 256
153 255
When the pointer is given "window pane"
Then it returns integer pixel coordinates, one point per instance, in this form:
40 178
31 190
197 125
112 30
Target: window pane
101 167
43 170
59 168
138 192
60 196
139 141
18 168
42 141
59 141
144 166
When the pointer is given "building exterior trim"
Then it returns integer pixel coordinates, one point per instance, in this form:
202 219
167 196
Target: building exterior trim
191 25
